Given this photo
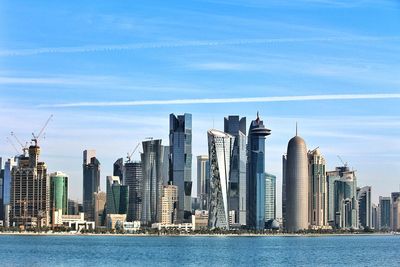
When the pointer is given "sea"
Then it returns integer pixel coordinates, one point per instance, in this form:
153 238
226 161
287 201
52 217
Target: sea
150 251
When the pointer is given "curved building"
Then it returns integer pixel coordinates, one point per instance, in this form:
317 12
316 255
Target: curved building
296 184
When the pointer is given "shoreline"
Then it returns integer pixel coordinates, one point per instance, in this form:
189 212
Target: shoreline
198 235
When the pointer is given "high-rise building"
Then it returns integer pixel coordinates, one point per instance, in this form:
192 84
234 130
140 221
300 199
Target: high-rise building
236 126
203 181
58 194
296 185
73 207
30 194
384 213
133 178
374 217
152 184
180 141
395 211
220 148
346 204
284 161
99 200
255 174
1 191
331 177
270 197
91 182
317 190
118 169
364 207
117 196
8 165
169 204
165 166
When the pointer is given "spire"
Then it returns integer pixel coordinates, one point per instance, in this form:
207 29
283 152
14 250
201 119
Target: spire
296 128
258 117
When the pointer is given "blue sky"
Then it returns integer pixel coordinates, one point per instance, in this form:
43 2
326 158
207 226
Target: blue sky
66 53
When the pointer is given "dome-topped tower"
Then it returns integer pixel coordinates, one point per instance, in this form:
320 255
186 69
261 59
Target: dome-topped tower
296 185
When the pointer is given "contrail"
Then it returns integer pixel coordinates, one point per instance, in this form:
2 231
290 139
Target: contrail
223 100
194 43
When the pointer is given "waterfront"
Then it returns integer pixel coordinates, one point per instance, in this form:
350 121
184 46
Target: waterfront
18 250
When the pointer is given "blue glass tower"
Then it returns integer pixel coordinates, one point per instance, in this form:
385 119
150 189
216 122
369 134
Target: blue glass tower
256 174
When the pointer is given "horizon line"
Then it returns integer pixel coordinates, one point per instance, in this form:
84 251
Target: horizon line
223 100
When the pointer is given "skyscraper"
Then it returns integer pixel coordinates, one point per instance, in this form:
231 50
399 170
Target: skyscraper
345 201
117 196
58 194
364 207
395 211
152 160
133 178
284 161
331 177
384 213
318 197
100 199
236 127
30 194
203 181
220 149
8 165
91 182
1 191
296 184
169 204
270 197
374 217
255 174
180 141
118 168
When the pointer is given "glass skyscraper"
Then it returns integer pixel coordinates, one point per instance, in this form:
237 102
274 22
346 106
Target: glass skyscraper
384 210
180 141
270 197
91 182
365 207
236 126
118 169
203 181
256 169
331 177
58 193
346 203
117 196
134 179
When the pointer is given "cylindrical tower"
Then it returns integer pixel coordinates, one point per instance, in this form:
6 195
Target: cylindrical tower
296 185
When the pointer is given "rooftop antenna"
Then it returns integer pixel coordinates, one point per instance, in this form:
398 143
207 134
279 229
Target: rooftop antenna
296 128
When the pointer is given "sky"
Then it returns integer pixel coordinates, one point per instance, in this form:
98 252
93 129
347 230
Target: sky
111 72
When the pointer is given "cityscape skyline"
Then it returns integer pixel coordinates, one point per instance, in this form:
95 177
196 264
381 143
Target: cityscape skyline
111 74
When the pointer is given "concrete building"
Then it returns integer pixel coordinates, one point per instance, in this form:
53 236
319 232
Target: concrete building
77 223
346 203
200 220
317 190
270 197
91 182
364 207
99 200
203 181
58 193
30 191
116 221
1 192
296 185
384 213
169 204
8 165
395 211
133 178
255 174
152 184
236 126
117 196
180 142
220 148
374 217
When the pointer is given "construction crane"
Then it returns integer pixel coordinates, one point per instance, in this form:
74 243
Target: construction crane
344 163
23 147
13 145
129 156
35 138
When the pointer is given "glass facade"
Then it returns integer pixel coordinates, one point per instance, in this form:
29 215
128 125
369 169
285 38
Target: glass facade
91 182
133 178
270 197
59 192
117 196
384 209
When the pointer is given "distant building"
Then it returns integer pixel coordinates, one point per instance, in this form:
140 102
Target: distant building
375 217
133 178
8 165
1 192
73 207
117 196
364 207
384 213
99 199
296 185
395 211
30 193
200 220
203 181
270 197
116 221
255 174
118 169
152 184
91 182
284 161
58 193
317 190
169 204
346 203
220 147
180 142
77 223
236 126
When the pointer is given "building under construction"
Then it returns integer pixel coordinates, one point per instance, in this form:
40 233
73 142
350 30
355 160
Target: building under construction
30 195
